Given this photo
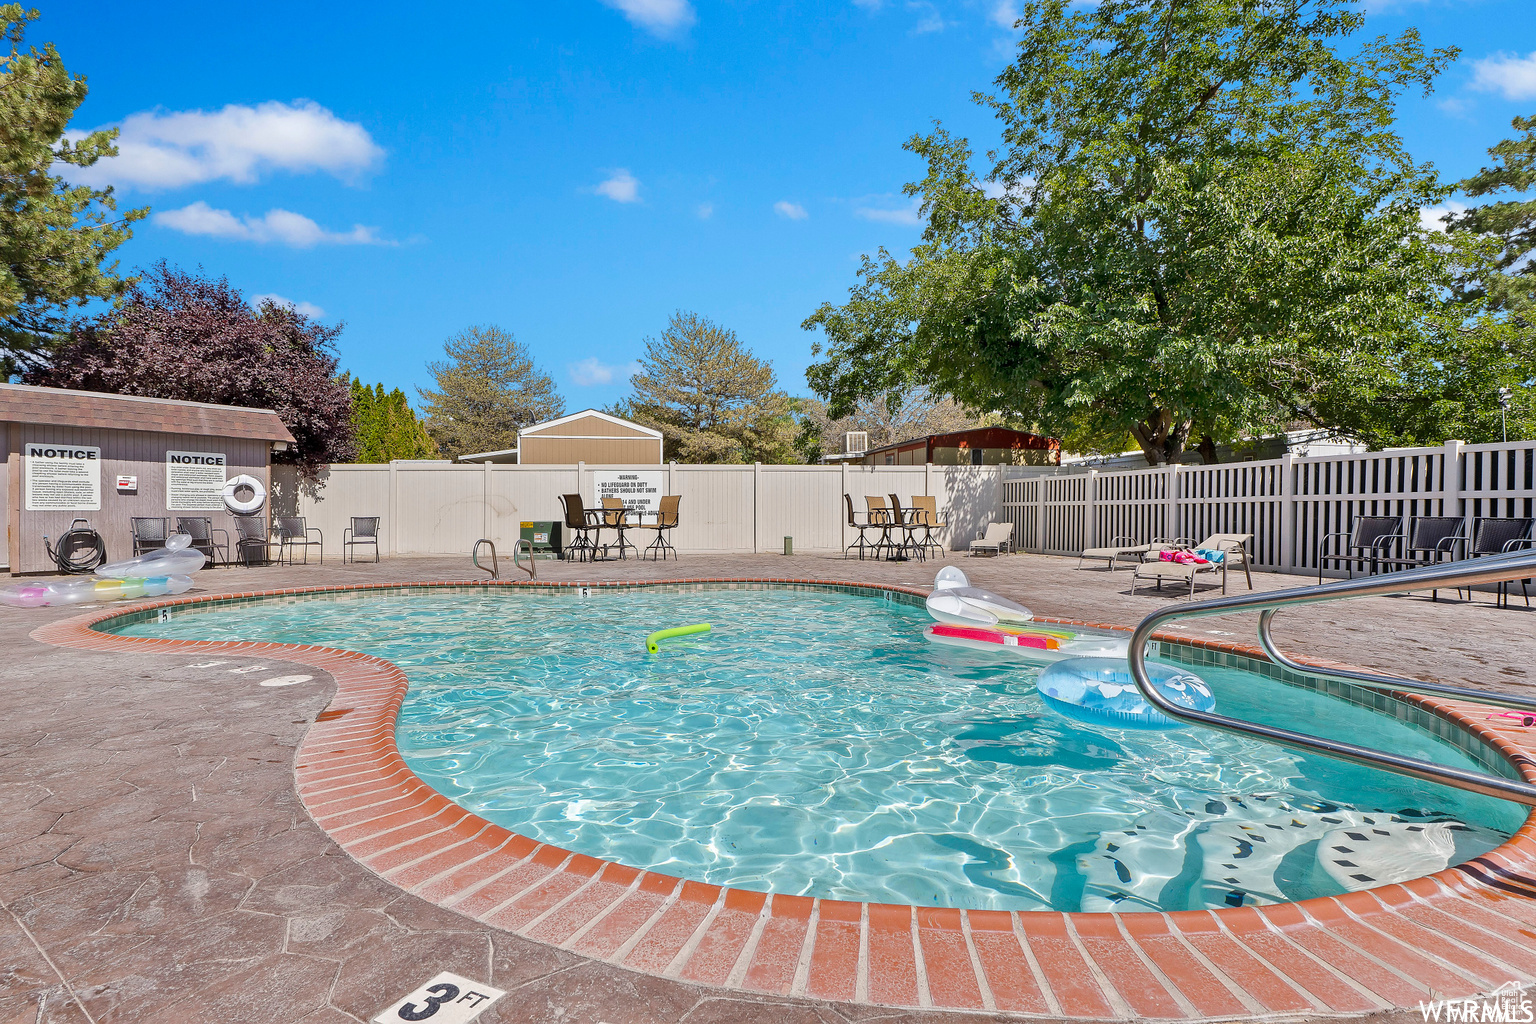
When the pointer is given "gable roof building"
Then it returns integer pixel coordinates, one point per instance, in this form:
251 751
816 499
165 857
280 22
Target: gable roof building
589 436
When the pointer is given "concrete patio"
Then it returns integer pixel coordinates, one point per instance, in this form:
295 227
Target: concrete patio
156 863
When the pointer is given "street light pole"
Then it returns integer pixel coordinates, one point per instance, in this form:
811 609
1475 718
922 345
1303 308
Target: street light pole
1503 410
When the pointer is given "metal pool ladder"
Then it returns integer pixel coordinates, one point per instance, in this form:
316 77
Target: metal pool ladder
1497 569
517 548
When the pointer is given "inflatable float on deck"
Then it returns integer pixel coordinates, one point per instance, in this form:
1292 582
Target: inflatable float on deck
981 620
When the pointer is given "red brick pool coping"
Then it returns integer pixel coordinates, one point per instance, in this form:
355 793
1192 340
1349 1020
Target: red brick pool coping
1464 931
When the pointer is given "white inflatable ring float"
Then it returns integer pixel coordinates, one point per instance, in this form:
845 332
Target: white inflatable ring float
250 505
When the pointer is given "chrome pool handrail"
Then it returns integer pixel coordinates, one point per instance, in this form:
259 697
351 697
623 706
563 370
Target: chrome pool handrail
1497 569
474 557
532 568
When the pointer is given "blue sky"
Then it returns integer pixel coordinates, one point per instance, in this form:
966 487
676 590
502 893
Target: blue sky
575 171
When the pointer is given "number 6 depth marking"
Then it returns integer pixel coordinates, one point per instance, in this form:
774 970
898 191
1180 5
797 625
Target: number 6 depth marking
446 999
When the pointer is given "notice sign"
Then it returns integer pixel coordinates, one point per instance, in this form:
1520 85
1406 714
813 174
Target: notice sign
636 490
63 478
194 481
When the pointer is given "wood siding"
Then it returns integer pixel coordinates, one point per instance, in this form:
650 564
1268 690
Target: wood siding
128 452
609 450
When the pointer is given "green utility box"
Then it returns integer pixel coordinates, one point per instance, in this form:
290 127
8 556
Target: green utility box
544 535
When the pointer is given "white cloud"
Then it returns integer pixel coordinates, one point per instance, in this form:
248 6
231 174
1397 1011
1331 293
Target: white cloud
1429 216
308 309
906 215
591 372
1018 192
169 149
1510 74
794 211
658 17
931 20
282 226
705 210
1003 13
621 187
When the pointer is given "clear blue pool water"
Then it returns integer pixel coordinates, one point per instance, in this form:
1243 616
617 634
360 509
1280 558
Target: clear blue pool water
815 743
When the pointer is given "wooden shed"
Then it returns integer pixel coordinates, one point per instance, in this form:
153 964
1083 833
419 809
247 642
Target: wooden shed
589 436
109 458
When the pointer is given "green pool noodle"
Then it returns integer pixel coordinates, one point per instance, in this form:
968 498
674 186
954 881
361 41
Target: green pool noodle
664 634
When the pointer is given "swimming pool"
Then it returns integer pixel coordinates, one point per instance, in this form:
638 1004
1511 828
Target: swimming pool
815 744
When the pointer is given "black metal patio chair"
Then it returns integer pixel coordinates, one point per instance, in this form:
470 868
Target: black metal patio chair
253 543
1369 542
363 532
205 537
293 532
1492 535
148 534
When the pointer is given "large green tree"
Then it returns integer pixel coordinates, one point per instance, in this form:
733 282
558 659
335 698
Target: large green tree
1199 224
711 398
487 389
386 426
55 237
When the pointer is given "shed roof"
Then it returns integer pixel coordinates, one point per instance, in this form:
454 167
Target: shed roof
976 437
63 407
546 429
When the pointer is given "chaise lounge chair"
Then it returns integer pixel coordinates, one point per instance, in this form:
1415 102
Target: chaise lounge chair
997 537
1126 547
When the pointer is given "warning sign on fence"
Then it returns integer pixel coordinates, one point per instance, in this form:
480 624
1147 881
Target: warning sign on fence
636 490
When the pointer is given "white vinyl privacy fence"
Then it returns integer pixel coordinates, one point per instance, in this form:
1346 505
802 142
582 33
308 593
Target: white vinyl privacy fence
1288 504
441 508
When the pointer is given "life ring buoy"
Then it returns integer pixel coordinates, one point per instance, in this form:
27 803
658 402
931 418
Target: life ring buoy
250 506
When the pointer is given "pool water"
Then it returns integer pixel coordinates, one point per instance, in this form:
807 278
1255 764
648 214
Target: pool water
814 743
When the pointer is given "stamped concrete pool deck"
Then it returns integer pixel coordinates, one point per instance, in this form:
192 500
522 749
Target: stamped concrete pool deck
157 862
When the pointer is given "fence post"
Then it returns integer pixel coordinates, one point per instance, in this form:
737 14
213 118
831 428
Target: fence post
842 511
757 489
1450 488
394 508
489 516
1091 510
1171 527
1287 548
1040 513
581 473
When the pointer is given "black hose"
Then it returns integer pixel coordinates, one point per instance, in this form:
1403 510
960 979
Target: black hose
80 550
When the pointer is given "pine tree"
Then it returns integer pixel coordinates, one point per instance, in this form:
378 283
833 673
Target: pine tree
387 427
712 400
1510 284
54 237
487 389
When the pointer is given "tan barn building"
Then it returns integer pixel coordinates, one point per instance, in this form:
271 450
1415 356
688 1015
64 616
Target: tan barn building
589 436
109 458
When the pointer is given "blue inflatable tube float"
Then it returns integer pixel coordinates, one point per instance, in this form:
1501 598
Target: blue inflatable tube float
1103 691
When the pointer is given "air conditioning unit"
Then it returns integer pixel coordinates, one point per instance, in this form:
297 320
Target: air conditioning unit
856 442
